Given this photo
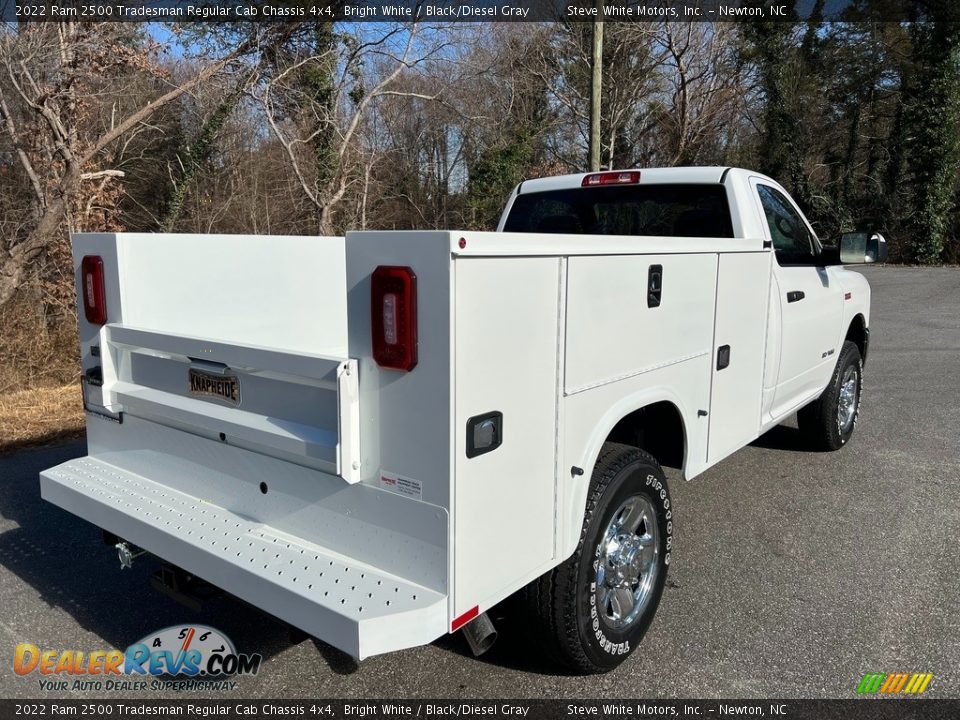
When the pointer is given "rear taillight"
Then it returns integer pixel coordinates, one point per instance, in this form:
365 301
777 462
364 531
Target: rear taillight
611 178
94 295
393 315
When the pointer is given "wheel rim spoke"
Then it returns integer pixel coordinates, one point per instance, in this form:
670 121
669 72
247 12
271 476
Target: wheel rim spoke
622 602
648 554
603 598
629 517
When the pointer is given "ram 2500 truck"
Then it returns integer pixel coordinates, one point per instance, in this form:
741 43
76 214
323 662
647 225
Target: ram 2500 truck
379 437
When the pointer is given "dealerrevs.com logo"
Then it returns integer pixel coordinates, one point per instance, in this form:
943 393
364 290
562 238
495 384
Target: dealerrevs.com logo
195 656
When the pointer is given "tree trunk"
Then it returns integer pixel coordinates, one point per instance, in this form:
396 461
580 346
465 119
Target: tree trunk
13 270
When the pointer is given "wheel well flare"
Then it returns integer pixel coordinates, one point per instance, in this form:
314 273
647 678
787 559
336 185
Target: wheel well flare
857 334
656 428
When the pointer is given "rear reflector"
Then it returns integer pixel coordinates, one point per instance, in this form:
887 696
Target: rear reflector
393 317
611 178
94 295
465 618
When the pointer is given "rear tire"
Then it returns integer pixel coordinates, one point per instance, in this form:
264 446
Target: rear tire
829 421
590 612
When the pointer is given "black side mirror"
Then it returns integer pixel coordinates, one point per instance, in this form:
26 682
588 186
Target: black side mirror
857 248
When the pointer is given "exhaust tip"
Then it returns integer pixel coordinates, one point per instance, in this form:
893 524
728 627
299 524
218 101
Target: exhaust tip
480 634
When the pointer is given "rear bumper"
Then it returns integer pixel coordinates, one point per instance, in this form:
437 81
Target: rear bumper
353 606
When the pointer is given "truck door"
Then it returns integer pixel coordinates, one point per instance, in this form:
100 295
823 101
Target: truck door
740 325
808 301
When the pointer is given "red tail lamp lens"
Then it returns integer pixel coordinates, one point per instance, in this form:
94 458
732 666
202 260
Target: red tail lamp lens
94 295
393 315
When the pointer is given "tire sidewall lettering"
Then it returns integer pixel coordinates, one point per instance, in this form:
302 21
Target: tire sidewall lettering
609 641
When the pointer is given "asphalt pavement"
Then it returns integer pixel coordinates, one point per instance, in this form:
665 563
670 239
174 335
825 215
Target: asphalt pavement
794 572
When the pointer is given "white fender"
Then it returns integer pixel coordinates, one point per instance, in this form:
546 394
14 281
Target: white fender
575 501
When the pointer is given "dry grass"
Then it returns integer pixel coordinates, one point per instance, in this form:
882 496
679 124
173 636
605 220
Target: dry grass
40 399
40 416
37 348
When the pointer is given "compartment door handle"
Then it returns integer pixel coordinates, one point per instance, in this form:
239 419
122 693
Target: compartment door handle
654 285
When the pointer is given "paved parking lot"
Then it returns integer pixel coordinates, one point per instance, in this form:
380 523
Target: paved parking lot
794 574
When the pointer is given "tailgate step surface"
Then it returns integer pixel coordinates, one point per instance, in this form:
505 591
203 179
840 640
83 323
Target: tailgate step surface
342 601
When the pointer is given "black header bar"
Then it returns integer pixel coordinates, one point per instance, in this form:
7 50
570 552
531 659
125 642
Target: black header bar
445 11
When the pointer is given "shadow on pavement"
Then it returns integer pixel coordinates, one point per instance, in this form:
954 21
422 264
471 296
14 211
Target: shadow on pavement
515 649
63 559
784 437
51 439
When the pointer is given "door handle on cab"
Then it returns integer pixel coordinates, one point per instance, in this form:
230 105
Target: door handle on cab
795 295
654 285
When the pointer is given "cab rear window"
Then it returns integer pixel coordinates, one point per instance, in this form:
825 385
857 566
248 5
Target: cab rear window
660 210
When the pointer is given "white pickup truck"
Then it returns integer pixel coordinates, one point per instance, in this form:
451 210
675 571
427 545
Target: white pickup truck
377 438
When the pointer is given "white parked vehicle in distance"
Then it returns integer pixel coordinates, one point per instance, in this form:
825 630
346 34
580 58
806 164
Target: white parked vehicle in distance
377 438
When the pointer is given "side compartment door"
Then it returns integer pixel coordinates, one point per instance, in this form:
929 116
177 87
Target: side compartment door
811 303
507 330
743 281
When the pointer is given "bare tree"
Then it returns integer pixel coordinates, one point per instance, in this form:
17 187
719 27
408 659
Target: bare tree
630 81
704 88
50 77
362 71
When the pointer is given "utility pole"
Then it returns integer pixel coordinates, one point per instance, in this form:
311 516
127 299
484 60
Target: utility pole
596 83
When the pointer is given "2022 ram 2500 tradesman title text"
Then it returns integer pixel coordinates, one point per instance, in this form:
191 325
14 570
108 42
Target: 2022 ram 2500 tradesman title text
377 438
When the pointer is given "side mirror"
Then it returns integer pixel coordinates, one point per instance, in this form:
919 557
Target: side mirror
857 248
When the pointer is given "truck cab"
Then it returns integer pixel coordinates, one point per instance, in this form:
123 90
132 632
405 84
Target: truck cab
814 303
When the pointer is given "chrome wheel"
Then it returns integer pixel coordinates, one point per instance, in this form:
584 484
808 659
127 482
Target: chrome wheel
847 400
627 563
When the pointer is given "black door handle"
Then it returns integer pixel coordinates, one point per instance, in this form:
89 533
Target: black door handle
795 295
654 285
723 356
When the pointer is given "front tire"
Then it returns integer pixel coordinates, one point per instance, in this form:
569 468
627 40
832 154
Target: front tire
829 421
590 612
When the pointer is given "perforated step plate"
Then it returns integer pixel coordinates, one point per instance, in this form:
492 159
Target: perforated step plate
357 608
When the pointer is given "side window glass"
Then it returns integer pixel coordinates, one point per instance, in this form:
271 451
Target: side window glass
791 239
